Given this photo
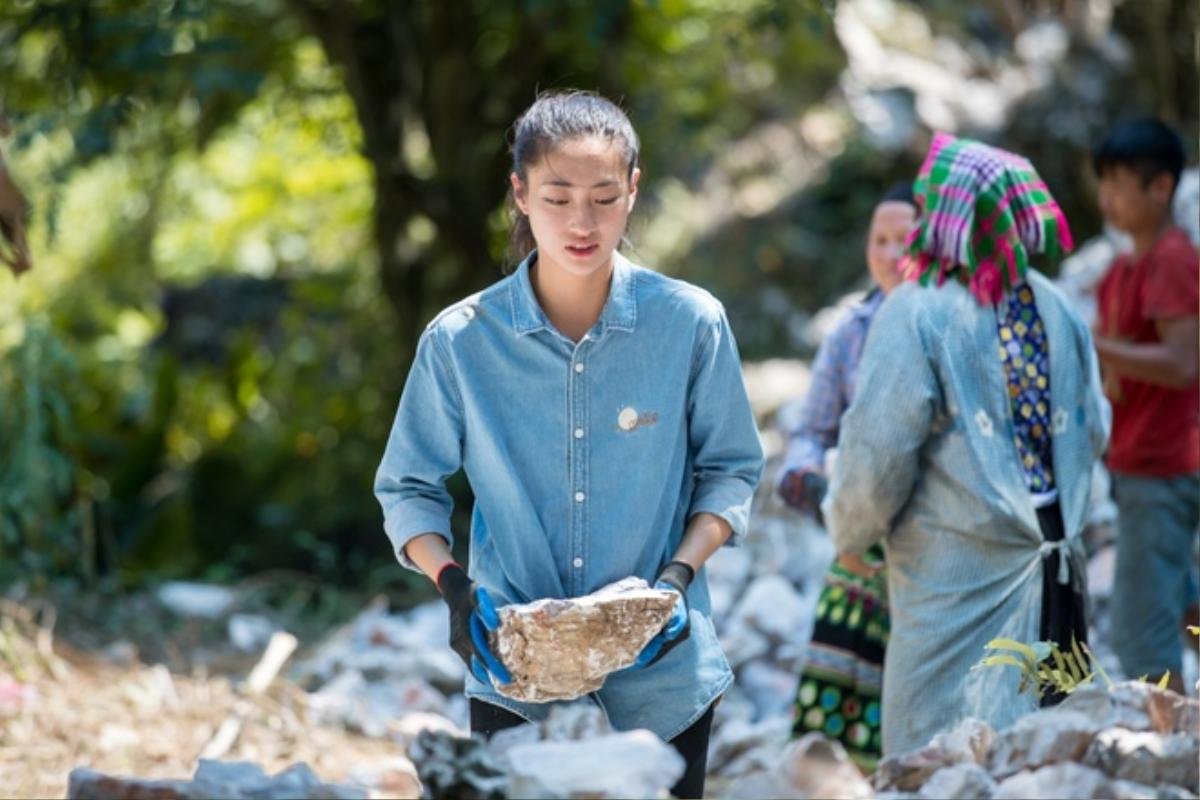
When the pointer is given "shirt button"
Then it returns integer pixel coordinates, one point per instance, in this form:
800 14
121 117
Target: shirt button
579 367
579 497
578 563
579 433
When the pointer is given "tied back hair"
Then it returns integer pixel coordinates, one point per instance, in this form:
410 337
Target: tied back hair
554 118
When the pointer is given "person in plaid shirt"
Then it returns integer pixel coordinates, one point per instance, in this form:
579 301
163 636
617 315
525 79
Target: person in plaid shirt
845 659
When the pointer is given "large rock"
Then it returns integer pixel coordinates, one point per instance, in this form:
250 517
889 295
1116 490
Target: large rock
737 737
811 767
967 781
563 649
1042 738
1067 781
772 690
969 742
773 607
632 764
1146 757
230 780
1137 706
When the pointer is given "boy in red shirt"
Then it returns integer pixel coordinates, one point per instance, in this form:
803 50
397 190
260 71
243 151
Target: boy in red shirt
1149 304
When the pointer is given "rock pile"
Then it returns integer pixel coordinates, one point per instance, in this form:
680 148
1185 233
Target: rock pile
1133 741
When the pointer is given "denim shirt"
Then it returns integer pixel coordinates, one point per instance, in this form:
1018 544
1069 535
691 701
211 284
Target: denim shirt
587 460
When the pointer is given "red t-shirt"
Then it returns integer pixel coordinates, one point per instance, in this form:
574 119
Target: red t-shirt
1156 429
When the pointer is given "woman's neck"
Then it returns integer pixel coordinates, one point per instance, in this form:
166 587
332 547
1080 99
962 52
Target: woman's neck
573 303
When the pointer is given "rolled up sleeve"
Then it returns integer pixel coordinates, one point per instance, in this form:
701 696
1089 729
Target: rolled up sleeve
884 429
423 450
727 453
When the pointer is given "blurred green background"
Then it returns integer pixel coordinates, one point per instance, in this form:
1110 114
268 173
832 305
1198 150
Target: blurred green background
244 212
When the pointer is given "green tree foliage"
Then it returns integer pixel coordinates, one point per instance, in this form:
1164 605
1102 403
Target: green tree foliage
247 210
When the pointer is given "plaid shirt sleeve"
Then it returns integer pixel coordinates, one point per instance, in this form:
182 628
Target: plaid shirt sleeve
817 427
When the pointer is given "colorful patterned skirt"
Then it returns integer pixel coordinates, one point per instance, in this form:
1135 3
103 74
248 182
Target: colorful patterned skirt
841 683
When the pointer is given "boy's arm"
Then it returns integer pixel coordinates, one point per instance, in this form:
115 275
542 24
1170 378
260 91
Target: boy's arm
1174 361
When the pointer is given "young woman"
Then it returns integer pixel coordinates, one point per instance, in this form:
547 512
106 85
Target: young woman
839 689
969 447
599 412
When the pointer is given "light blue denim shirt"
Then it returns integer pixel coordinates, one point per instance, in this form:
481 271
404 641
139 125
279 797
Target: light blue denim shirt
587 460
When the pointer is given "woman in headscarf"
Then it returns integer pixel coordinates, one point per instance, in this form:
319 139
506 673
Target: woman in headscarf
969 447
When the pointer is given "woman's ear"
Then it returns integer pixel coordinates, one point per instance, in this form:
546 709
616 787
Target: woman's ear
518 191
633 184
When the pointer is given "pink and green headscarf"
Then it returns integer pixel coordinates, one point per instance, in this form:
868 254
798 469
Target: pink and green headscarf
984 211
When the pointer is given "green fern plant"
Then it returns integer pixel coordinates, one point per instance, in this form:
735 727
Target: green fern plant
1044 665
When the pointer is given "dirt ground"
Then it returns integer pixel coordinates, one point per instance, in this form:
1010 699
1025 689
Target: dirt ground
63 707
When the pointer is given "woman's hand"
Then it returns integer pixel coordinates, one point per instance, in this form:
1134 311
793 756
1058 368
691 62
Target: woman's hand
856 566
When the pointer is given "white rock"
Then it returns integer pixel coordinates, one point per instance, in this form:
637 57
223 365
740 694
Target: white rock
1067 781
772 690
774 608
742 644
250 632
811 767
738 736
189 599
965 781
388 777
972 738
728 569
632 764
1040 738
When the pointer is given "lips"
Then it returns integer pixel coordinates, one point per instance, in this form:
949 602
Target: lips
582 250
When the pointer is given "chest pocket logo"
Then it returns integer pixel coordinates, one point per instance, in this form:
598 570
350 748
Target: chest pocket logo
629 419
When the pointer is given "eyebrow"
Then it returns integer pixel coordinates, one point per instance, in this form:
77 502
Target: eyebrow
560 182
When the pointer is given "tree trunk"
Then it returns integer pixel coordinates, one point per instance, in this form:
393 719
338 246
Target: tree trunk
418 65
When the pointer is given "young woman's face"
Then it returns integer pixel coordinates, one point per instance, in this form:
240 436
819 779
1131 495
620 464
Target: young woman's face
890 226
578 199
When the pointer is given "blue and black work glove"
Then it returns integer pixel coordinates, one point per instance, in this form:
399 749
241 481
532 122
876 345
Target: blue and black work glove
676 576
472 615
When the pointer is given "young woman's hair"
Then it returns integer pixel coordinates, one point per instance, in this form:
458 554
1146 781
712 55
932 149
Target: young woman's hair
1146 146
554 118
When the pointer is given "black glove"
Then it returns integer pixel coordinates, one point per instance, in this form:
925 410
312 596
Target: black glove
676 576
472 615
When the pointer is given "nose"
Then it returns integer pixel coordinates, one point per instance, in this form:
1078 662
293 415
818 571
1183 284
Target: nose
583 221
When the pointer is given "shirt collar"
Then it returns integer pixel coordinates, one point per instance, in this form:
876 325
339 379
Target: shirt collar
869 304
619 313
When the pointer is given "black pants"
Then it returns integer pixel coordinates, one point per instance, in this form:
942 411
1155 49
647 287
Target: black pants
692 744
1063 614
